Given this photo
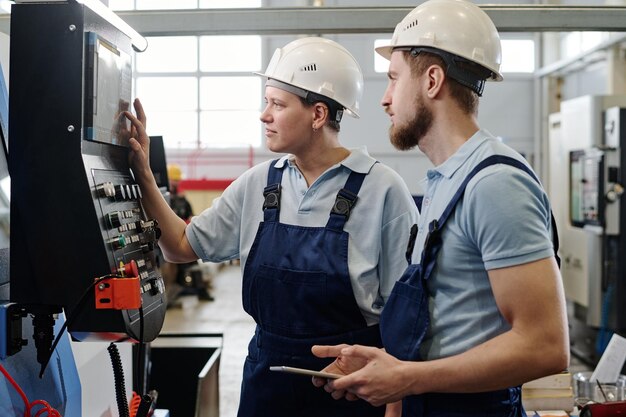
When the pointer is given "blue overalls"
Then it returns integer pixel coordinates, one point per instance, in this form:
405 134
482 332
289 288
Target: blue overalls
405 320
297 287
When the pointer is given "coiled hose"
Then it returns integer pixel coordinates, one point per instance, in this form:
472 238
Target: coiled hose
120 386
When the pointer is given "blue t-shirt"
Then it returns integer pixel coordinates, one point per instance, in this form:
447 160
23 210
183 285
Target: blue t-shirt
378 226
503 220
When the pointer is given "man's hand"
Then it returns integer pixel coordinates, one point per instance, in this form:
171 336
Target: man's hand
340 366
371 374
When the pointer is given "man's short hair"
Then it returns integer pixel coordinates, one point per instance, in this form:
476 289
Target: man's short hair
465 97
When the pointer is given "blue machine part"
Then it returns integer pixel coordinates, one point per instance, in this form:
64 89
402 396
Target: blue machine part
4 109
60 385
4 333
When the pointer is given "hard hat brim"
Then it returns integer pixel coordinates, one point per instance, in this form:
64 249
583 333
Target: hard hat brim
350 112
386 51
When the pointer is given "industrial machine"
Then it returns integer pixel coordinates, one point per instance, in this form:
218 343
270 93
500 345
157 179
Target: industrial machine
80 241
76 210
588 152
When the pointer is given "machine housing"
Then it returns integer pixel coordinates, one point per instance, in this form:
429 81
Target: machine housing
76 209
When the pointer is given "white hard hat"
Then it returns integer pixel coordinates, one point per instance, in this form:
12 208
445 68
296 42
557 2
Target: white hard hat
458 27
320 66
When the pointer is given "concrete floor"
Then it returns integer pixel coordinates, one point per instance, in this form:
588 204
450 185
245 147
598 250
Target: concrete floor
223 315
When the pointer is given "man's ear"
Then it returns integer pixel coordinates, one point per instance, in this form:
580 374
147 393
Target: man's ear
435 76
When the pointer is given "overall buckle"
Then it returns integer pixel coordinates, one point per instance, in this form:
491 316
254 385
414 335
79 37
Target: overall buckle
272 196
344 202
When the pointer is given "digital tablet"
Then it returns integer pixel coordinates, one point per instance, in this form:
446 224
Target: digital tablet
304 372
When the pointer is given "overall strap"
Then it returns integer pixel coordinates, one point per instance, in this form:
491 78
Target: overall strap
411 245
271 193
433 239
501 159
345 201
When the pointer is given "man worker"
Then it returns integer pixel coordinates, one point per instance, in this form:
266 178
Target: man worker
178 201
481 308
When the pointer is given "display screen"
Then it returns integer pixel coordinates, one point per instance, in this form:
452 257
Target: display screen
592 184
576 189
109 88
586 181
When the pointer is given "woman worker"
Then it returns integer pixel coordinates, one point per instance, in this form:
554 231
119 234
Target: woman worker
321 231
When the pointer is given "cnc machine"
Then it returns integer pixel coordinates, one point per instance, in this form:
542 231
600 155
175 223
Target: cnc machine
80 240
588 153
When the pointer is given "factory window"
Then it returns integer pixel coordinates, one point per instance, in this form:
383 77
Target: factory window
199 92
169 54
518 56
380 63
230 53
180 4
229 111
574 43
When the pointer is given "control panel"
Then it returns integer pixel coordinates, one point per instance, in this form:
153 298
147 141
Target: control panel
80 240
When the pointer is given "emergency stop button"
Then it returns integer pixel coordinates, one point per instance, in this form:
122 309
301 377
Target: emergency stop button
130 269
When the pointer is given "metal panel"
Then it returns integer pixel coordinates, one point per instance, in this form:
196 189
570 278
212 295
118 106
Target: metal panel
332 20
363 20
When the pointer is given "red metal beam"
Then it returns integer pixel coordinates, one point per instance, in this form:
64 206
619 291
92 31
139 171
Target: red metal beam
204 185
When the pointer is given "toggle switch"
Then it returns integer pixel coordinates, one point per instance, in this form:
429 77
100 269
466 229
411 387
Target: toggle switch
138 190
120 192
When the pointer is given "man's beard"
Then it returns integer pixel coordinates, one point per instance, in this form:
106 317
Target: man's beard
408 136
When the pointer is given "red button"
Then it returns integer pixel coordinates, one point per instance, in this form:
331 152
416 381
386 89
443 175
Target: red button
131 269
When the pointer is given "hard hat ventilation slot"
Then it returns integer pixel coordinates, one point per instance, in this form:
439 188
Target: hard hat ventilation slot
411 24
309 68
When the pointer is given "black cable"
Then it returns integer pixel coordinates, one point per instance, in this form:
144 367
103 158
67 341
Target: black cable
120 386
70 319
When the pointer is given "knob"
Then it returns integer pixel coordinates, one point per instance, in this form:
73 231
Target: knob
119 242
105 189
114 219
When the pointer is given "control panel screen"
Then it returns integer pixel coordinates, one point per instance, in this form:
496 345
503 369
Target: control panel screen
576 189
108 92
586 182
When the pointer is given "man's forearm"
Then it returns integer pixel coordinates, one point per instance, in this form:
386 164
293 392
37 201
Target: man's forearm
505 361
